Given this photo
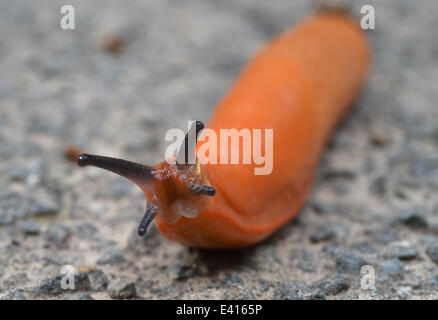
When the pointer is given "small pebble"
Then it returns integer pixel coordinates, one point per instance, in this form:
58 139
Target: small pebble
122 289
364 247
393 268
16 280
81 296
13 206
43 206
403 252
350 263
383 235
323 208
326 232
181 272
99 281
334 284
298 290
432 281
413 219
432 252
13 295
58 235
112 256
113 43
339 174
30 228
32 175
86 230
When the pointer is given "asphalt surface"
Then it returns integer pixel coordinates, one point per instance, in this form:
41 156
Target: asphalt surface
128 73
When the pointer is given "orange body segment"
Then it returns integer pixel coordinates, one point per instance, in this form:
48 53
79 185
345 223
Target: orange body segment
300 85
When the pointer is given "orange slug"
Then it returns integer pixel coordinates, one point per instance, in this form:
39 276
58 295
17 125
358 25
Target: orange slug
301 85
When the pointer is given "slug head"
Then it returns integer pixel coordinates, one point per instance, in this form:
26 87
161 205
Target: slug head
172 190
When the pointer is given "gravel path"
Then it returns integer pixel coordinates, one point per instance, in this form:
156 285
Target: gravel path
374 203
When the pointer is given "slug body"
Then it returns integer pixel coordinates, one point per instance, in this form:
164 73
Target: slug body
300 85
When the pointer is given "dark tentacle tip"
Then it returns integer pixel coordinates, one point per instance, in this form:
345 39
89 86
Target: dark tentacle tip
199 126
199 189
143 227
83 160
142 230
209 191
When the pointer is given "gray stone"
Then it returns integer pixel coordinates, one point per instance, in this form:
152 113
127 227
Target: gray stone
30 227
432 252
328 231
338 174
412 219
309 266
43 205
334 285
13 295
403 252
298 290
350 263
99 281
181 272
86 230
112 256
432 281
15 280
334 251
58 235
13 206
81 296
122 289
304 260
323 208
33 175
392 268
233 280
364 247
384 235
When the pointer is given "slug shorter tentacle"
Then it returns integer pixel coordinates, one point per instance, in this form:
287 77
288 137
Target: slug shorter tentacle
199 189
151 212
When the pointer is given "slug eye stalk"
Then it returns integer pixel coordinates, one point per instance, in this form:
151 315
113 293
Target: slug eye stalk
140 174
187 153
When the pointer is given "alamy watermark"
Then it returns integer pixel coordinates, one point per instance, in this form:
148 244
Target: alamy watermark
67 21
368 20
68 278
368 280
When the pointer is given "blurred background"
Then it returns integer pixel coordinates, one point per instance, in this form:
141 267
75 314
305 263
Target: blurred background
132 70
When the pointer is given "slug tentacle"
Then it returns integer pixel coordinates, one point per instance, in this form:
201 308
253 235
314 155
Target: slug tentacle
151 212
187 152
140 174
199 189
